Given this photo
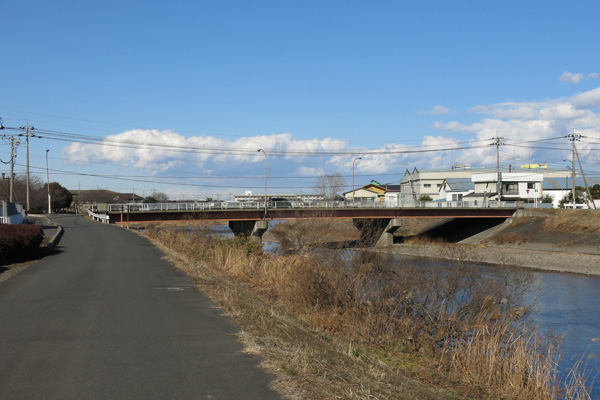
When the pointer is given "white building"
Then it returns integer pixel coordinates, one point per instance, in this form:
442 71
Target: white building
454 189
515 186
558 188
417 183
430 182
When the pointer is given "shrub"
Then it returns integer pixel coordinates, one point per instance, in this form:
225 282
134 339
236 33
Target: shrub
18 242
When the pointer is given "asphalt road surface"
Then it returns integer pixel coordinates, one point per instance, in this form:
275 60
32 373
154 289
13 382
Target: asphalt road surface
104 317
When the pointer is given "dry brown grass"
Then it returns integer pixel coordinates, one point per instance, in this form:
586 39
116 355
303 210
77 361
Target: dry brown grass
565 221
305 233
509 238
332 325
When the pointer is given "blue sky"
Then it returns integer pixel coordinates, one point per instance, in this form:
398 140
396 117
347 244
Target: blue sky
314 83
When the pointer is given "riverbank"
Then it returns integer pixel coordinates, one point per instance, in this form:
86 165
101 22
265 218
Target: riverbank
575 261
552 240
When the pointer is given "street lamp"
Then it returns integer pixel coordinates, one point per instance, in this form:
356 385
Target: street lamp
48 183
259 150
353 192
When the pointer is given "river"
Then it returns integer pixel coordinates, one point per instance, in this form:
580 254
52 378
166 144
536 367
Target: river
570 306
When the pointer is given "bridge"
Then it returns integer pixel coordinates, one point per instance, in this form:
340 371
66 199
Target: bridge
251 218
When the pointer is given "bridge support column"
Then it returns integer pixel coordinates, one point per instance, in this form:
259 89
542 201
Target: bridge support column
252 229
378 232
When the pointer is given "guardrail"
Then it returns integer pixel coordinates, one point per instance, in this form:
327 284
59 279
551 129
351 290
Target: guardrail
98 217
207 206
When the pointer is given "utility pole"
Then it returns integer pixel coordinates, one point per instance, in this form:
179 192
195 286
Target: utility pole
12 167
48 184
498 142
27 161
573 137
26 128
353 191
265 153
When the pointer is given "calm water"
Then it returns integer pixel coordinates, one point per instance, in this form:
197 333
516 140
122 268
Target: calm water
570 305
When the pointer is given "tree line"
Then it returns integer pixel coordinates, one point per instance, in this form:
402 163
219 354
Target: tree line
61 197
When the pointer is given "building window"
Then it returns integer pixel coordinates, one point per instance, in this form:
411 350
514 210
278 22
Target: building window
427 185
511 188
439 185
530 185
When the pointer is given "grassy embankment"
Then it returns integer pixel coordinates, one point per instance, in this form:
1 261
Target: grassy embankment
563 228
333 326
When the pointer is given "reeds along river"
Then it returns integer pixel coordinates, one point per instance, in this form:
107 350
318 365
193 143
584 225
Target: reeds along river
568 305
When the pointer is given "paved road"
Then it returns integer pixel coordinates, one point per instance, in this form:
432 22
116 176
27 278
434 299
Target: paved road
105 318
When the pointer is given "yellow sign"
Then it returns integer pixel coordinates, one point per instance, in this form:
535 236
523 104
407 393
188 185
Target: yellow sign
533 166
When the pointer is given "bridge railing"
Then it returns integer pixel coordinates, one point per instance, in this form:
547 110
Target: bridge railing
203 206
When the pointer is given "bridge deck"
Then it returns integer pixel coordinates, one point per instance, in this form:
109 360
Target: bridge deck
294 213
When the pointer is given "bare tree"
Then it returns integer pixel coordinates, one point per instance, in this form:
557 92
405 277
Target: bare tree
161 197
330 186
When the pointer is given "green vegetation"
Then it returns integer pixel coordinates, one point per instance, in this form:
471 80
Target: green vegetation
333 324
595 191
19 242
580 196
548 198
61 197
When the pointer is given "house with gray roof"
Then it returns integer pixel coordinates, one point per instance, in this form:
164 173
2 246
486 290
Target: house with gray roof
454 189
558 188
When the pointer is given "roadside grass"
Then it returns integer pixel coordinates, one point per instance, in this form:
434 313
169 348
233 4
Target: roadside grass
330 325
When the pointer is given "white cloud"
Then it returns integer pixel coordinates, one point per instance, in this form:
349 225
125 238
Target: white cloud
310 171
517 122
569 77
524 121
439 110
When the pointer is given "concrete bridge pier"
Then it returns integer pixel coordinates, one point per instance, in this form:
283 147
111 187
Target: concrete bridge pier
252 229
377 231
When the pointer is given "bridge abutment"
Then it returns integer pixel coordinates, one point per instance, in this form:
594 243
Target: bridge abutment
252 229
378 232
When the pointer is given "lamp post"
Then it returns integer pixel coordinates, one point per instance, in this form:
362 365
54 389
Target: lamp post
48 183
353 192
265 153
